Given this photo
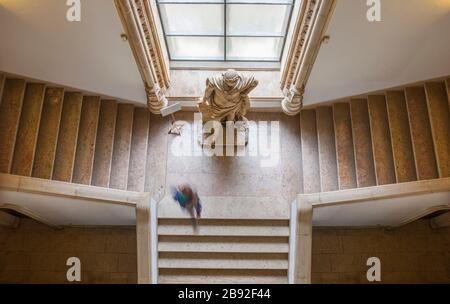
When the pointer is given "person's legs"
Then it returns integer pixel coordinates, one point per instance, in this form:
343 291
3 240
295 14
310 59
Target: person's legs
190 208
198 209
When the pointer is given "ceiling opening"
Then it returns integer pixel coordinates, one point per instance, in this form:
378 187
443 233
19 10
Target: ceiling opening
225 30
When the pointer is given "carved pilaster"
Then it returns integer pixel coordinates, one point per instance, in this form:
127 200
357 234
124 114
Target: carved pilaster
298 41
306 40
292 102
156 99
139 23
150 30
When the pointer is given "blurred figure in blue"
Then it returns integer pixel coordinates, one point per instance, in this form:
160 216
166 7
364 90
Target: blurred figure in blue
188 199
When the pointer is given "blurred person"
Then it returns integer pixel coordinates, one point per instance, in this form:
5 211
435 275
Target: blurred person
188 199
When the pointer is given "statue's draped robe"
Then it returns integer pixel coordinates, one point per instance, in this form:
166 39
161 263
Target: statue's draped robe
231 102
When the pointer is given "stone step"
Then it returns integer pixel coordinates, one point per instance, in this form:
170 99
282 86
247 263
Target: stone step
381 140
138 155
222 247
438 107
10 110
101 171
405 167
344 146
87 134
211 260
262 244
221 279
364 164
327 149
48 133
236 228
67 138
27 133
310 152
229 207
122 146
222 276
421 133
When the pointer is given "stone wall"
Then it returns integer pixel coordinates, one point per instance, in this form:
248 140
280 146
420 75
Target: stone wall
412 254
34 253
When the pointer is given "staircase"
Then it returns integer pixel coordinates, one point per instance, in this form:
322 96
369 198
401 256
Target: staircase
52 133
48 132
240 240
398 136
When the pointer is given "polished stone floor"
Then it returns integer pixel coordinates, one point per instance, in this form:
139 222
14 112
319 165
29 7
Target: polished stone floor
269 168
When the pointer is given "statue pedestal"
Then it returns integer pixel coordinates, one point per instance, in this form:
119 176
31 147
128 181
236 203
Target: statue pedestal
237 137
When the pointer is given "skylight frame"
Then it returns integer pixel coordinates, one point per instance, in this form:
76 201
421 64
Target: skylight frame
225 35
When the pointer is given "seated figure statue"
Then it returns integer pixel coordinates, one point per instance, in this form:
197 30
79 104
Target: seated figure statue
226 97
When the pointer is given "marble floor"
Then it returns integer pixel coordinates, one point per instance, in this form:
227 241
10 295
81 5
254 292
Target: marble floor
271 166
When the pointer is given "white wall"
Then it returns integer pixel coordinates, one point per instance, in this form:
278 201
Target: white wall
410 44
38 42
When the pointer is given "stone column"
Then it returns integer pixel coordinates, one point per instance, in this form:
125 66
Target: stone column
306 40
142 33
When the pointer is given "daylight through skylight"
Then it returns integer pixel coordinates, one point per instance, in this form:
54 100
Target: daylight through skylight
225 30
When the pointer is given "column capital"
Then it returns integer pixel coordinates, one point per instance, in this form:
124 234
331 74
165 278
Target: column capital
156 99
292 102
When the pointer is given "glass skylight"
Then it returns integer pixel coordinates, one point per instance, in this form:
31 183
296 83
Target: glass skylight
225 30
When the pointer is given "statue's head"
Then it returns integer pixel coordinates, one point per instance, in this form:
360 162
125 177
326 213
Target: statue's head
230 77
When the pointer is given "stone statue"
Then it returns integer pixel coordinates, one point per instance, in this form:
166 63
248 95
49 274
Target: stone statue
226 97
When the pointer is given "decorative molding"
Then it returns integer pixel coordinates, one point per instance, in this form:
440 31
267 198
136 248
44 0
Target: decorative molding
156 98
139 23
307 38
292 102
299 35
150 30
